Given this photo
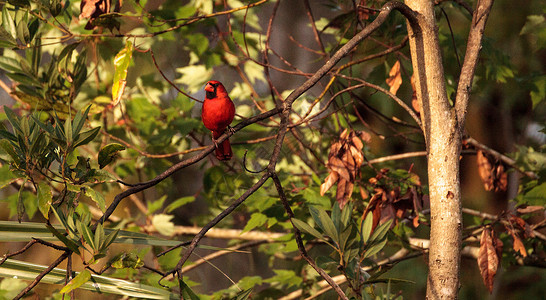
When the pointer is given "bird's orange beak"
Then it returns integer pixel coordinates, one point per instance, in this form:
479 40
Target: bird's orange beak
209 87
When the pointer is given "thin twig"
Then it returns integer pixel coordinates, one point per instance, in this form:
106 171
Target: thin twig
505 159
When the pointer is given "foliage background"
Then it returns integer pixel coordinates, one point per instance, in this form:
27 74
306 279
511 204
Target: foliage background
507 109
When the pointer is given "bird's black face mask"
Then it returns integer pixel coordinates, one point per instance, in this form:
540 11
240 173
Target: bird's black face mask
211 94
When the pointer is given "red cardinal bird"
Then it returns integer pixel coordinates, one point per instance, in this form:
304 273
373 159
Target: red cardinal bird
218 112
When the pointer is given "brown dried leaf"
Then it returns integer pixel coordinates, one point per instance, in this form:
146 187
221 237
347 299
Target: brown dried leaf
395 78
501 182
375 207
485 170
344 192
357 142
335 164
349 161
519 221
416 221
518 245
344 134
363 193
365 136
88 8
488 261
328 183
357 156
414 101
334 149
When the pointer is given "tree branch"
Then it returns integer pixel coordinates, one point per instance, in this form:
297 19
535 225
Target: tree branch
470 63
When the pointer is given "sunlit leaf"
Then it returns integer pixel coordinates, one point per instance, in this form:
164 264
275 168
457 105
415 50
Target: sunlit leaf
77 281
97 197
121 64
45 198
163 224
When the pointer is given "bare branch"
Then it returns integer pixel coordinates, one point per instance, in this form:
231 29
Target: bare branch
470 63
505 159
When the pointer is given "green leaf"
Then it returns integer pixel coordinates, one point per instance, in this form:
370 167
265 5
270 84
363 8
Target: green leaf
86 137
153 206
243 295
256 219
45 198
68 131
108 152
8 148
179 203
163 224
366 227
336 217
79 120
13 119
7 23
99 237
22 32
381 231
325 223
346 214
538 92
6 40
375 248
77 281
121 63
97 197
127 260
20 205
534 22
109 239
286 278
187 292
9 64
68 243
87 235
302 226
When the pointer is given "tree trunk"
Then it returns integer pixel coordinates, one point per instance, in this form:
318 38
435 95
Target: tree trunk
443 142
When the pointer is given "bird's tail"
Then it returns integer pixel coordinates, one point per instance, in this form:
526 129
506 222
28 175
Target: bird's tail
223 150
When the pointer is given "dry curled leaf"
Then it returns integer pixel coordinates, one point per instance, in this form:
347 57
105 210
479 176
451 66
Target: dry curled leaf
93 9
328 182
488 259
518 245
414 101
395 78
491 172
344 162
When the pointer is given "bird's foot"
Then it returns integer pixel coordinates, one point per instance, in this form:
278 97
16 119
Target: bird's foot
215 143
230 129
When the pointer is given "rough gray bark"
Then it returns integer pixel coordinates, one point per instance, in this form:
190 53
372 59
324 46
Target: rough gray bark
443 129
